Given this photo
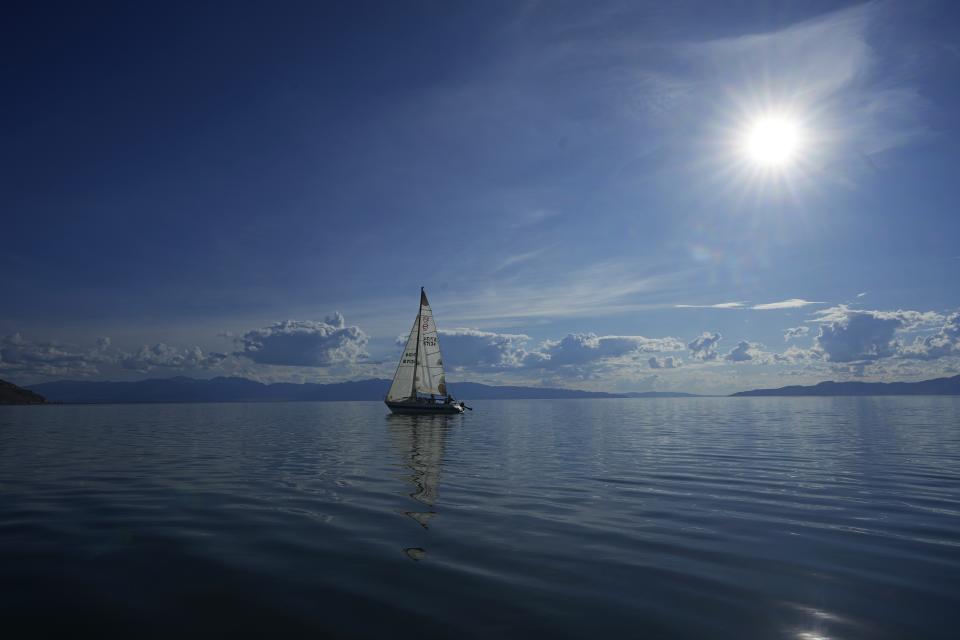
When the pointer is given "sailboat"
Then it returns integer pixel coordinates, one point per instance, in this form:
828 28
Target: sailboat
419 385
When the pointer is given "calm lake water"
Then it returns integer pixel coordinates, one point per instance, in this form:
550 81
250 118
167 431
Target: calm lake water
688 518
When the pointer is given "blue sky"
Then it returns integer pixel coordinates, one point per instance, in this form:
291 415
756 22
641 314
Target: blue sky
261 191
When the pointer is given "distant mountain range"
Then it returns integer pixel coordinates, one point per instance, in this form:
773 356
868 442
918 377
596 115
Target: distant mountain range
935 387
183 389
12 394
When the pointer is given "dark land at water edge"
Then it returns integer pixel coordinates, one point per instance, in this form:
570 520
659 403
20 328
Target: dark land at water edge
12 394
936 387
232 389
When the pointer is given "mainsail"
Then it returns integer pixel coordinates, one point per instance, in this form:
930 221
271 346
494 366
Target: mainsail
421 366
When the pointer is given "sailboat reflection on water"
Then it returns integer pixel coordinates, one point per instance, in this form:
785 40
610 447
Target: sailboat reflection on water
419 442
419 385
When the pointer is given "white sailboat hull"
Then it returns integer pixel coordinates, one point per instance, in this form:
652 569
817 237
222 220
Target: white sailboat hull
430 408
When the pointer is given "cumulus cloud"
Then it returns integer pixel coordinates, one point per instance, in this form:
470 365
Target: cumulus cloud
796 355
946 342
305 343
751 352
580 354
668 362
704 347
853 335
581 348
42 359
482 349
740 353
907 320
32 358
858 336
163 356
795 332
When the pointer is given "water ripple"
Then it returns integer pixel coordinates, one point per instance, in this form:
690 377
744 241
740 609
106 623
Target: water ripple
791 518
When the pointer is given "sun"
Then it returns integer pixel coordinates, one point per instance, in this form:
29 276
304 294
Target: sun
767 147
773 141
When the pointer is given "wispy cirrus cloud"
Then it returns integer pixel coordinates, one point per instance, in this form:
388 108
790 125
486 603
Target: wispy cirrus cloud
519 258
826 69
792 303
719 305
598 290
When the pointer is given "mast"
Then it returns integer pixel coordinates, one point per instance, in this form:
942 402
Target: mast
416 359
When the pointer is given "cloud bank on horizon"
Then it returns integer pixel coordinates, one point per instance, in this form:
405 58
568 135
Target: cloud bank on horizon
580 188
848 343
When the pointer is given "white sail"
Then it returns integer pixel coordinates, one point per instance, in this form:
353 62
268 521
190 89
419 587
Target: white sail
421 366
402 387
430 377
